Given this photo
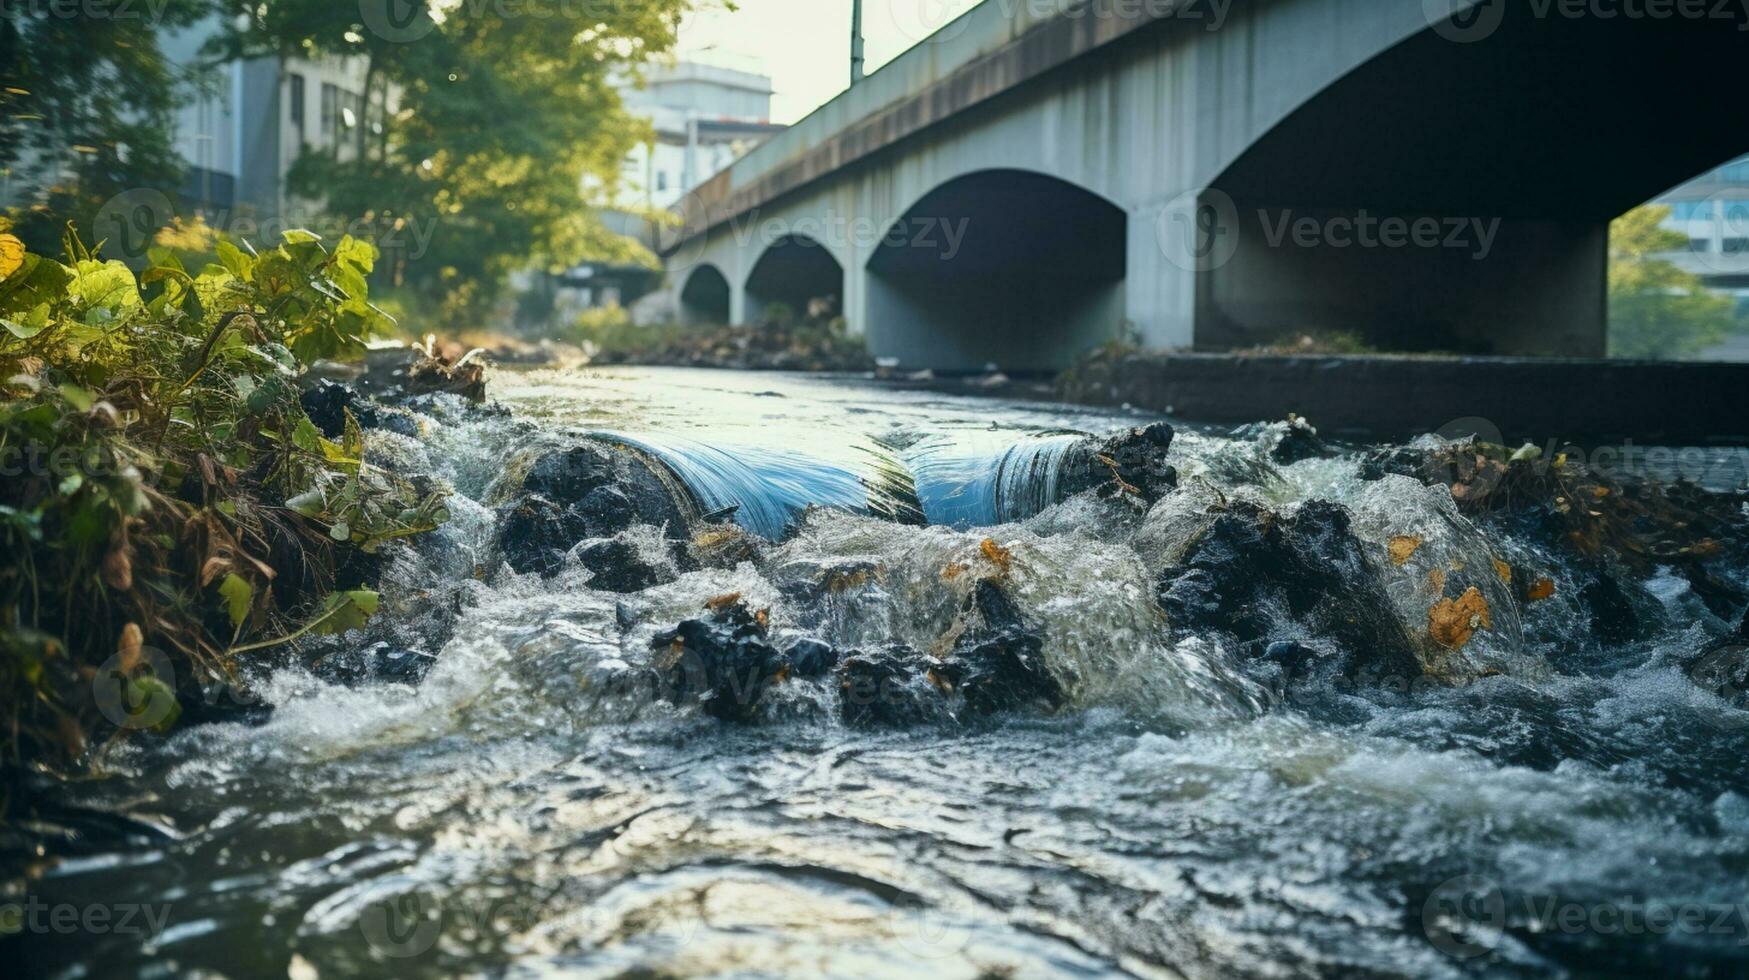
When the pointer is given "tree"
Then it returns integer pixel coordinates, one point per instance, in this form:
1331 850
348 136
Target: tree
1656 310
85 107
486 122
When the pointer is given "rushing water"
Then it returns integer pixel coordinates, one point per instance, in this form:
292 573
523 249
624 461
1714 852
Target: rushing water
1584 809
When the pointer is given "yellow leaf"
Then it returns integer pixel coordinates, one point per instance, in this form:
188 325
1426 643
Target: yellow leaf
1542 589
1402 547
11 255
1503 570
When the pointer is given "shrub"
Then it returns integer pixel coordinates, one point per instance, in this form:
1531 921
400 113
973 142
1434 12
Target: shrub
165 504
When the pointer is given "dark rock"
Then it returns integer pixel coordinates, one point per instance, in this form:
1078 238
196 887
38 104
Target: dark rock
328 402
809 657
1260 577
723 663
1299 441
535 534
1132 462
619 566
1399 461
1616 615
1724 670
379 662
998 664
588 491
1723 667
892 686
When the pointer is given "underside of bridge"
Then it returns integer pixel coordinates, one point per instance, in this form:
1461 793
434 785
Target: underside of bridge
1002 267
799 274
1520 146
705 297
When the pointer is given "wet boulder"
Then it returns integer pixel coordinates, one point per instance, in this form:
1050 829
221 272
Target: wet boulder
723 663
591 490
1131 463
997 663
1723 667
811 658
1262 578
328 402
380 663
1298 441
620 564
892 686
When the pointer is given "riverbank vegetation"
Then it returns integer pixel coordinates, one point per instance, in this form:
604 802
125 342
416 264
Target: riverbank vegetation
168 509
783 340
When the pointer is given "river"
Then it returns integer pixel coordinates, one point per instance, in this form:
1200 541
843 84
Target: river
1581 810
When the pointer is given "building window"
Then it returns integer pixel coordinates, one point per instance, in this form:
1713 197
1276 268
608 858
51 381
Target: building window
1691 210
297 100
330 113
661 180
1734 246
1699 245
1735 172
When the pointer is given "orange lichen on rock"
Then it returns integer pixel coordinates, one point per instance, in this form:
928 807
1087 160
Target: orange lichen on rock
1402 547
1541 589
1451 622
997 555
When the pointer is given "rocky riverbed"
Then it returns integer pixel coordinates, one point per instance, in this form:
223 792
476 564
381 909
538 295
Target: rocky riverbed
735 671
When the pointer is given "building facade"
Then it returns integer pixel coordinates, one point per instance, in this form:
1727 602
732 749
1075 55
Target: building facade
704 117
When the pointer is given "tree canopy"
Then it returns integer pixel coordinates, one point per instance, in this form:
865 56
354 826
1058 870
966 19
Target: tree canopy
86 107
496 126
1656 310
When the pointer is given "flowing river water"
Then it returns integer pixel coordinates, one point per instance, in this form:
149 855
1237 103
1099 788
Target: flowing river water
1583 808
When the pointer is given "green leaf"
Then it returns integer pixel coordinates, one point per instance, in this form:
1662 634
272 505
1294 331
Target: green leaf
239 595
235 262
33 323
80 398
301 236
307 437
107 286
341 531
346 611
310 503
38 282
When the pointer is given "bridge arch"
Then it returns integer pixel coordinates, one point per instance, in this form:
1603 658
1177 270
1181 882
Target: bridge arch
1519 133
798 272
704 298
1001 266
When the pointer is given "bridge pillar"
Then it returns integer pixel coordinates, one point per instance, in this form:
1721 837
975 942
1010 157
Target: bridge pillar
738 312
1160 278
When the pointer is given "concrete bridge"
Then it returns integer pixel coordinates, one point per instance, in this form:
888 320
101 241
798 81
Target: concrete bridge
1040 176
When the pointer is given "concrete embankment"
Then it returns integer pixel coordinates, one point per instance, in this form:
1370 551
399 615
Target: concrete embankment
1399 397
